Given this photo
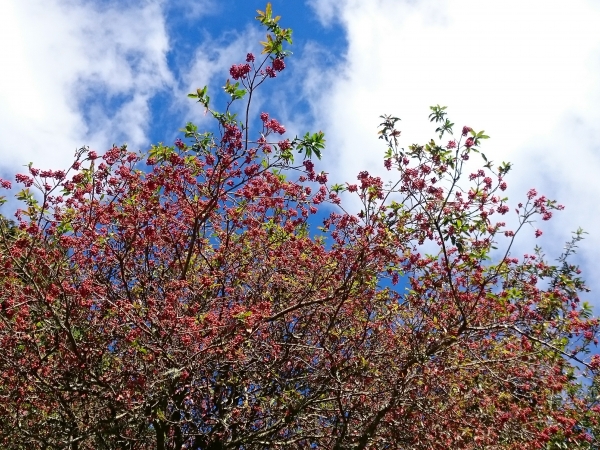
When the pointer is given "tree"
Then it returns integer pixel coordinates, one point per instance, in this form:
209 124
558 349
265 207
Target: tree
178 299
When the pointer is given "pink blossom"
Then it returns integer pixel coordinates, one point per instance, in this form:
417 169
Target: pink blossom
270 72
275 126
284 145
239 71
308 165
27 181
321 178
278 64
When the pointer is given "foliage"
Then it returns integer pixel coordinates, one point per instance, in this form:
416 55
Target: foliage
177 299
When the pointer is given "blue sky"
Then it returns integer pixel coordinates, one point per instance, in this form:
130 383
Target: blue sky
85 72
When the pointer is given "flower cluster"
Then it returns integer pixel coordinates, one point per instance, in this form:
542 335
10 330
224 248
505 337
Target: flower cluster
272 124
24 179
278 64
189 301
239 71
232 136
285 144
270 72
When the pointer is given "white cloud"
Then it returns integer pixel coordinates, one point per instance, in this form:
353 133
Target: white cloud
83 72
526 72
193 9
77 73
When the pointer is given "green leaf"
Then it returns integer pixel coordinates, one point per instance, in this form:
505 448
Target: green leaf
268 45
190 130
201 96
438 114
337 188
243 315
310 144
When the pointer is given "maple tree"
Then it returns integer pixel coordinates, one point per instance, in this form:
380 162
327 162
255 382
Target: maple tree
177 299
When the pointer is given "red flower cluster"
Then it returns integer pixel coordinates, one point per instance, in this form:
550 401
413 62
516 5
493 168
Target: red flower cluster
239 71
270 72
274 126
190 303
278 64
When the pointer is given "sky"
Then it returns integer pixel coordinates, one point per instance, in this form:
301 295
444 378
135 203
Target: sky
103 72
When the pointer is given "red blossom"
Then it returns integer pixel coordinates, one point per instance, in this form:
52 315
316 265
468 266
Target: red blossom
321 178
239 71
275 126
278 64
270 72
192 302
285 145
27 181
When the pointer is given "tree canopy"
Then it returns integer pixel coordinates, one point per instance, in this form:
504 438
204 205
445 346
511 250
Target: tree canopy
182 298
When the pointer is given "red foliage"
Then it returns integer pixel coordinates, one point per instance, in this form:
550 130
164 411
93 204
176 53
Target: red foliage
184 304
